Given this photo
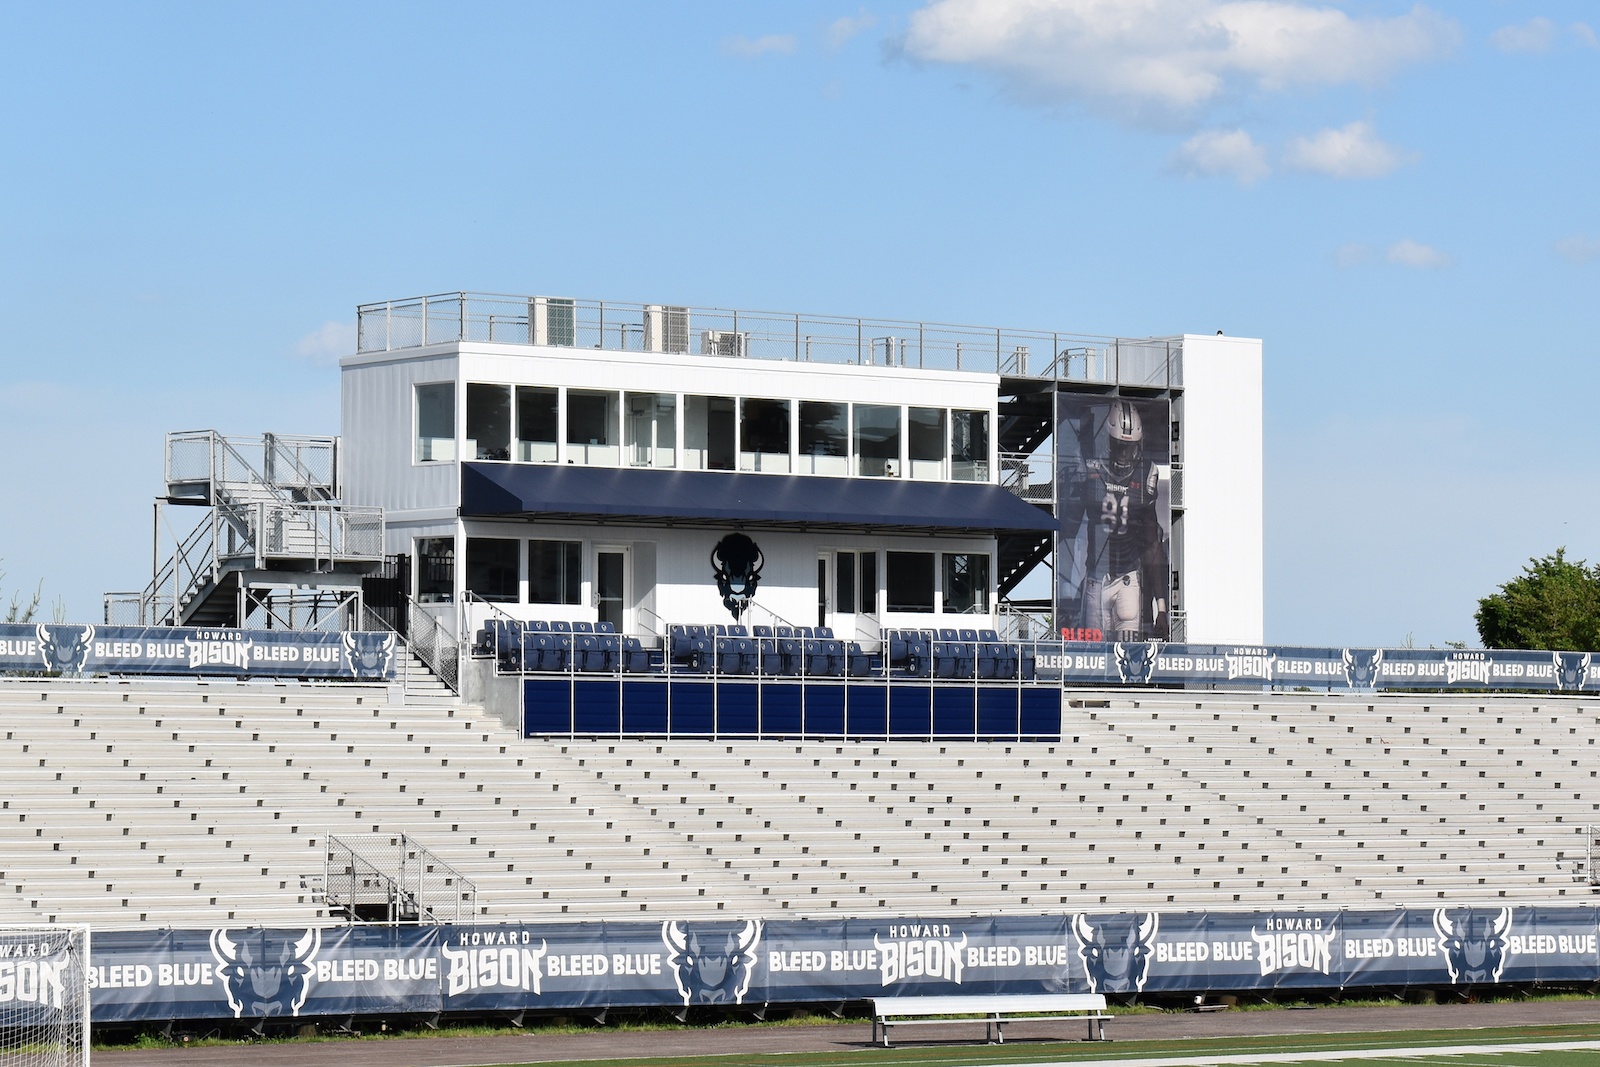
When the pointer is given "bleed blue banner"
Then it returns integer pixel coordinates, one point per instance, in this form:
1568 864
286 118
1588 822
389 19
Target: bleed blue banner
256 973
1157 663
80 649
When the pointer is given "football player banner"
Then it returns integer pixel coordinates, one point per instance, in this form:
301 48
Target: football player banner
374 970
82 649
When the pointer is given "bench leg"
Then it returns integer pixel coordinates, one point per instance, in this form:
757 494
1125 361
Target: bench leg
999 1031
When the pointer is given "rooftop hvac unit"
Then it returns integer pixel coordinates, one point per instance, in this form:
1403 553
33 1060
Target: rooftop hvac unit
553 320
666 328
734 343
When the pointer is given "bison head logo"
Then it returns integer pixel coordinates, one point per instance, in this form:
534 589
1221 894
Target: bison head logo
1473 942
1361 667
264 972
736 562
367 654
1136 662
712 964
65 648
1572 669
1116 953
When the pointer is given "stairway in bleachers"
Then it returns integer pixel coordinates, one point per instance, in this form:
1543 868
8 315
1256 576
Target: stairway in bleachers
185 804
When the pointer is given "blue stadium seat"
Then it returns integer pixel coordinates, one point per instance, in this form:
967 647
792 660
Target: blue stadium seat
583 627
791 655
763 631
857 663
605 628
635 660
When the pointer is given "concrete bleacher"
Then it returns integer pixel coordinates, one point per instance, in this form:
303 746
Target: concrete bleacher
184 804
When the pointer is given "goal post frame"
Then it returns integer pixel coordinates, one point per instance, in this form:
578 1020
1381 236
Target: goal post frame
27 986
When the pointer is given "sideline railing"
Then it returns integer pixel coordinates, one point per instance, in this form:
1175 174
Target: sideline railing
667 328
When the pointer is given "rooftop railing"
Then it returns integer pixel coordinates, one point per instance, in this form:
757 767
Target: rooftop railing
572 323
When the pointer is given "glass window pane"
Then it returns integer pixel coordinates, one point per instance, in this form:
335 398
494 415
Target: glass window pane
926 440
844 582
966 583
764 436
538 420
910 580
592 428
492 568
555 572
877 440
824 438
436 569
488 421
650 429
869 583
969 446
708 426
436 422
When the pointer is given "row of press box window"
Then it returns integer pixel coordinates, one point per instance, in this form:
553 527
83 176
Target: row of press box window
737 650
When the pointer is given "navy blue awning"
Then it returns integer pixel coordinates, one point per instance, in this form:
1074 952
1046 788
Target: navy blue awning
620 494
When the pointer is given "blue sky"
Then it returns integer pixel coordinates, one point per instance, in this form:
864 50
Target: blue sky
1400 200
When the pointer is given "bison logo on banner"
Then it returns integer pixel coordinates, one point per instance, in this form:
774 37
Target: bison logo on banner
736 564
265 972
1361 666
1116 951
1572 669
367 654
65 649
712 963
1135 663
1473 942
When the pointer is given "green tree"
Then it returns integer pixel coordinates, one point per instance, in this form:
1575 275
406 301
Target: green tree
1554 603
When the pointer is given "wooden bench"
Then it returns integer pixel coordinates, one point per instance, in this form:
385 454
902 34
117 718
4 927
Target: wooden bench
995 1010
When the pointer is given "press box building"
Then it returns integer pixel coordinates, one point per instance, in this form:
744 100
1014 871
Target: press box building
649 464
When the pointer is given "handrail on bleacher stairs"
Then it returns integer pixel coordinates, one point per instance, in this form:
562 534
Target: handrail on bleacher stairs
391 878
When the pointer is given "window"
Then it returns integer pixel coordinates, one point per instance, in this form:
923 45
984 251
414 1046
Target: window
877 440
436 569
824 438
492 568
436 422
969 446
555 572
844 585
868 604
650 429
966 583
592 427
708 433
488 421
925 443
764 435
910 577
538 418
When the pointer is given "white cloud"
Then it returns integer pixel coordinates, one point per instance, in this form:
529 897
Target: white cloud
1585 34
1352 151
1535 35
1579 249
1409 253
1164 58
1353 255
842 30
327 343
779 43
1229 152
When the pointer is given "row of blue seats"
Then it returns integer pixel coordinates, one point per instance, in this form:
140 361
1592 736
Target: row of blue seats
952 653
560 646
802 651
732 649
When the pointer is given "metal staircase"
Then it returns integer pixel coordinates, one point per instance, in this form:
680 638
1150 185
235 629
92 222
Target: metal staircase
275 548
1027 468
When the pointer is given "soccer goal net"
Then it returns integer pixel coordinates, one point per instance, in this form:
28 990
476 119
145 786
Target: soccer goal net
44 996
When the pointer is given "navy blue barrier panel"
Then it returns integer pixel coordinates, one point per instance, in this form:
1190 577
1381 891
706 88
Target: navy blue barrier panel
60 648
283 973
1156 663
